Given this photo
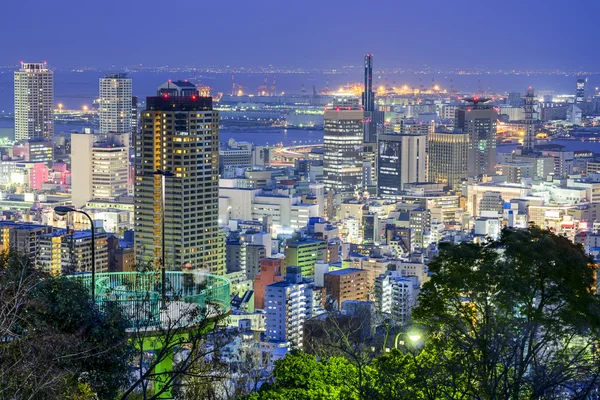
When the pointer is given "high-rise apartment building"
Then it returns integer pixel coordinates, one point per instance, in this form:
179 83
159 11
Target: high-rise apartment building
447 162
401 159
288 304
100 170
343 144
479 120
180 135
34 102
115 103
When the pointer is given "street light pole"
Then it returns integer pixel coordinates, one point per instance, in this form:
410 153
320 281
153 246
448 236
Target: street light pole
64 210
163 269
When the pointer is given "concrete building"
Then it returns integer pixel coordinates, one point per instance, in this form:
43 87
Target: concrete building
288 305
343 144
401 159
396 296
479 120
345 284
100 170
447 158
65 251
271 271
34 102
115 104
22 237
305 253
179 134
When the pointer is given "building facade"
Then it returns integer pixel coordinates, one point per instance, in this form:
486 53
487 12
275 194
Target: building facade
288 305
447 159
179 134
479 120
401 159
343 145
115 103
34 102
100 170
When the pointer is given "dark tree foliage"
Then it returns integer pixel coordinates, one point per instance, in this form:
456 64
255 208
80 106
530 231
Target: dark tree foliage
54 341
515 318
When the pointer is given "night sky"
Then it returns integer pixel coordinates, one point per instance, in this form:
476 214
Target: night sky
324 34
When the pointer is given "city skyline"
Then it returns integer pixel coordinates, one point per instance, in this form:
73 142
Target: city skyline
408 35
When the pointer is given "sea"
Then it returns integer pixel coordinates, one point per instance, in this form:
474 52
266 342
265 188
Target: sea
76 89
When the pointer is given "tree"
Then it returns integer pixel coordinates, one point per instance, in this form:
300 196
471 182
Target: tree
300 376
514 318
55 343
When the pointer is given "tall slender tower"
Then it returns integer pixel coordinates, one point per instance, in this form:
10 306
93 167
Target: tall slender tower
34 102
528 141
368 103
368 99
115 104
179 134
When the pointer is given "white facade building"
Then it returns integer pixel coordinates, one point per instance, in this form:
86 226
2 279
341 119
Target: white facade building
288 305
34 102
100 170
397 296
115 103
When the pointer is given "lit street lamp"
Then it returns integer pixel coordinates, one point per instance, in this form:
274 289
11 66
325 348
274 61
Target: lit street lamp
64 210
413 335
163 273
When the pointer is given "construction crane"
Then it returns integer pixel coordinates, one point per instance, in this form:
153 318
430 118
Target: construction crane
236 90
273 90
262 90
326 90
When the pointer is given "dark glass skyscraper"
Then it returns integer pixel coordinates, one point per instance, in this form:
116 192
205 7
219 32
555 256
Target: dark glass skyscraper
479 120
372 117
368 97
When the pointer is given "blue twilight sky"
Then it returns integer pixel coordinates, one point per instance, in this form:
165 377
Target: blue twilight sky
309 33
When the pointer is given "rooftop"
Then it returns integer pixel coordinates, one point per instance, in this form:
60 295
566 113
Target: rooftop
345 271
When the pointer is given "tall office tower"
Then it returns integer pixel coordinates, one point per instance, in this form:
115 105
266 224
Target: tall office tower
479 120
528 140
343 144
115 103
34 102
401 159
447 153
580 89
99 170
179 134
